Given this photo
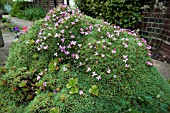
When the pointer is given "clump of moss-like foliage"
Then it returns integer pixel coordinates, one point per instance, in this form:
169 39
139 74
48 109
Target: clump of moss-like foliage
71 63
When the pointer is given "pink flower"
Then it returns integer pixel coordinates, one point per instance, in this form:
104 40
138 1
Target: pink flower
69 46
98 29
72 36
98 78
45 47
88 69
124 56
114 51
80 64
66 27
72 23
81 92
73 43
108 71
81 29
90 27
149 47
126 65
38 77
45 37
114 76
62 39
72 55
139 44
44 84
77 56
125 45
77 20
38 48
82 32
66 52
62 31
96 53
64 69
149 53
57 35
125 60
62 48
56 24
149 63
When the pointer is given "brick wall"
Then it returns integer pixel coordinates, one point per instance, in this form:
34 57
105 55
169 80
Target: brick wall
48 4
156 25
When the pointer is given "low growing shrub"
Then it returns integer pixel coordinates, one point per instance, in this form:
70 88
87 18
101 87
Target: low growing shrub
72 63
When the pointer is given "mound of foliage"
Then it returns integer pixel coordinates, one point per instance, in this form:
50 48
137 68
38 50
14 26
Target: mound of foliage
125 13
71 63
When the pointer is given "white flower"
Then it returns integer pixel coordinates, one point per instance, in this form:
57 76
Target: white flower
45 47
55 54
38 78
96 53
93 74
114 76
124 56
27 42
88 69
98 78
103 55
81 92
64 69
127 65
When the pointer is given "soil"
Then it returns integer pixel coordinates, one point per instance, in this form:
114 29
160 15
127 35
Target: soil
156 55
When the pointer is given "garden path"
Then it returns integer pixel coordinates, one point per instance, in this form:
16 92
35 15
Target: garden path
18 22
9 36
164 68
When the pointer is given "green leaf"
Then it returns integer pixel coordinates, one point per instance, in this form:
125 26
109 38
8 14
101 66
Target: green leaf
68 86
25 89
38 84
94 90
22 84
35 55
32 42
73 90
52 66
55 110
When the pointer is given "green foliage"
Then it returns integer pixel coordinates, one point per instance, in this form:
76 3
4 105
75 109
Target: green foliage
3 2
125 13
4 20
32 13
17 7
72 63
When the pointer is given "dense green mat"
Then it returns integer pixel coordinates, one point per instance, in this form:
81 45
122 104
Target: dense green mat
72 63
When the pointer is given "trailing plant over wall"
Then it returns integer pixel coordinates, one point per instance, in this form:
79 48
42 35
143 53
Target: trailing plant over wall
125 13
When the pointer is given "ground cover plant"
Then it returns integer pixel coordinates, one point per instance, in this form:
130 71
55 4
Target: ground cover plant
72 63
